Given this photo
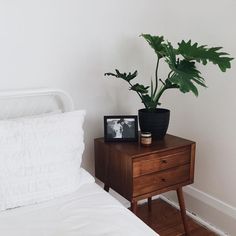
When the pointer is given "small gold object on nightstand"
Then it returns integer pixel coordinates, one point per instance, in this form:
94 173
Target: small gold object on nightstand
146 138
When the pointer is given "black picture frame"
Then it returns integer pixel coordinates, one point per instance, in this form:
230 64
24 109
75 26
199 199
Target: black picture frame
121 128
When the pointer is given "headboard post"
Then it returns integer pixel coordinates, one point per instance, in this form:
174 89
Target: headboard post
17 103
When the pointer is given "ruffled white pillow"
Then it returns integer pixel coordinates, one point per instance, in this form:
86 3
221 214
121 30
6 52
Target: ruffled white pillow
40 158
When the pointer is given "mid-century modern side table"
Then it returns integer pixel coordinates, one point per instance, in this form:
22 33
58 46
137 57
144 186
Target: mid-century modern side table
137 172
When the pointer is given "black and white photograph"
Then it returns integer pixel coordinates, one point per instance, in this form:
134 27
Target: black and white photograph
120 128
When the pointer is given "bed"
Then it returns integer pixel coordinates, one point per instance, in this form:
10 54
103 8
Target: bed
87 211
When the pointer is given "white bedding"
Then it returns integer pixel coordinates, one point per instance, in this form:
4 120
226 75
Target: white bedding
88 211
40 157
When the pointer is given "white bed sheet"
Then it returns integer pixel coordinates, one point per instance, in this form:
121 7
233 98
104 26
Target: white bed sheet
89 211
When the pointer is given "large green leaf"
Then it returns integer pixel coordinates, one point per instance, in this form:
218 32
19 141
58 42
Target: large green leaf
140 88
127 77
156 42
203 54
184 83
170 55
184 73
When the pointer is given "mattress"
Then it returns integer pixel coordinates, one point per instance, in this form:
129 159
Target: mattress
86 212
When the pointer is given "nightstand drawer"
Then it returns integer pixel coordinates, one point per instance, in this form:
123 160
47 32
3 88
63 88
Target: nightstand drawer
161 161
158 180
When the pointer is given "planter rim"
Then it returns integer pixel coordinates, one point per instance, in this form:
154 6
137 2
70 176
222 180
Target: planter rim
157 110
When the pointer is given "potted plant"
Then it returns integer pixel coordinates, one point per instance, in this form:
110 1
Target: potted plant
182 75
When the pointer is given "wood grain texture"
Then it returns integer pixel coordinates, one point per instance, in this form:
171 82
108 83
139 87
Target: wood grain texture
119 164
161 161
183 210
135 149
113 168
166 220
137 172
192 167
159 180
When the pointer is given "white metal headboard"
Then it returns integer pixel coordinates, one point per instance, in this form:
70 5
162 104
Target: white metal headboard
20 103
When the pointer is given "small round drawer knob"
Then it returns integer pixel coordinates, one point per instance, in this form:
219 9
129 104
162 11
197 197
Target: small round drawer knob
163 180
164 161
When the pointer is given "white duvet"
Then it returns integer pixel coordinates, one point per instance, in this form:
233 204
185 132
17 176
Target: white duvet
89 211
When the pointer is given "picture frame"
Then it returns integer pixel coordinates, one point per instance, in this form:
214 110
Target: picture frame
121 128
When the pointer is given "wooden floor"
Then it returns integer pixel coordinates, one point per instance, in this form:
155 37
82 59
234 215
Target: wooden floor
166 220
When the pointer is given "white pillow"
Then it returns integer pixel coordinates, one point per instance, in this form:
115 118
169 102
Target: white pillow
40 158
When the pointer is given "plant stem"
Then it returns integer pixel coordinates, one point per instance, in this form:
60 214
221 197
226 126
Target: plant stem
170 74
156 75
165 87
162 82
139 95
161 91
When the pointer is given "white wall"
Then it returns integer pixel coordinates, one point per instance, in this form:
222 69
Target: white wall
208 119
69 44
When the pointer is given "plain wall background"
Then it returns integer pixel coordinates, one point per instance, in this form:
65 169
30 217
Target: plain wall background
69 44
210 118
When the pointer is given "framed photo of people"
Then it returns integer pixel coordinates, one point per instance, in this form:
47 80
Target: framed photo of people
120 128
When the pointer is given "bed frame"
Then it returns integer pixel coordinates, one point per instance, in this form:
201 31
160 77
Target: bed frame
18 103
40 101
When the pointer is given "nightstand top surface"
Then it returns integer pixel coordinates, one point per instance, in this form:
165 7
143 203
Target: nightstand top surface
135 149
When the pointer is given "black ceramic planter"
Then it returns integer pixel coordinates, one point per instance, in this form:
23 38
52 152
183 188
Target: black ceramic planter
156 122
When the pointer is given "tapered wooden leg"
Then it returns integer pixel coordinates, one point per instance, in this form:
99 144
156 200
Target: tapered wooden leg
134 206
183 210
106 187
150 203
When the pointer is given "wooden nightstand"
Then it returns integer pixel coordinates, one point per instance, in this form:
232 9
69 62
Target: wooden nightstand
137 172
